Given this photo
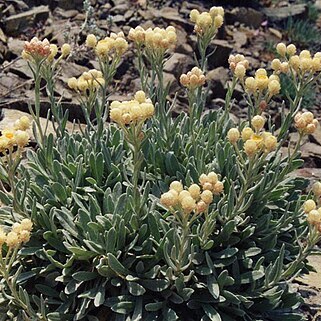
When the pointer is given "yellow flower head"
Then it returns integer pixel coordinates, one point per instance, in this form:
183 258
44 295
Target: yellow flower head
65 50
207 22
136 110
233 135
13 240
23 123
21 138
3 238
193 79
250 147
91 41
26 224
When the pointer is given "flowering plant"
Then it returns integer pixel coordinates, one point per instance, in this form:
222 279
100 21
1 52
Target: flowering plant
147 217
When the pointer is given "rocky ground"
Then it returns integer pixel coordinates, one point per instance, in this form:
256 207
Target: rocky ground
251 28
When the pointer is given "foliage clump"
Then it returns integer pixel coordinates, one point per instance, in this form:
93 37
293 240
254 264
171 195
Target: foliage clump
147 217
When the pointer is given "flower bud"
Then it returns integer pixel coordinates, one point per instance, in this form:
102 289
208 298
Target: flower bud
26 224
247 133
294 62
203 179
233 135
250 147
270 143
73 83
291 50
276 64
195 191
281 49
167 199
188 204
250 84
183 194
91 41
314 217
140 96
212 178
240 71
201 207
207 186
65 50
310 129
16 227
309 205
305 54
218 188
12 240
207 196
258 122
274 87
316 189
3 238
22 138
308 117
194 15
218 21
24 236
177 186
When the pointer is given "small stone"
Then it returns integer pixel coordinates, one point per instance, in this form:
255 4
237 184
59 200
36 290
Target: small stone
178 63
217 79
276 33
15 46
293 10
222 52
72 69
15 24
21 68
247 16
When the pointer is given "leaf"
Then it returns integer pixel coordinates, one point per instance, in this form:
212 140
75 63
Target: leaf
156 285
123 307
84 276
213 286
211 312
135 289
250 277
60 192
227 253
152 307
116 266
99 297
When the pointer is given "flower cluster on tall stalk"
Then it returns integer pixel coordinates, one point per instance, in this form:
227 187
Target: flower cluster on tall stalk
153 45
42 61
131 116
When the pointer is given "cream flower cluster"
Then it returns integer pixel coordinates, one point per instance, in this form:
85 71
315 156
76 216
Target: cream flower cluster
20 233
38 50
261 83
16 136
154 39
238 65
91 80
193 79
207 22
194 198
305 123
115 44
256 140
313 214
304 63
133 111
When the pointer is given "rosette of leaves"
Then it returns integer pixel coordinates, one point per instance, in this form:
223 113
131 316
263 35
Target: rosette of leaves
92 255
